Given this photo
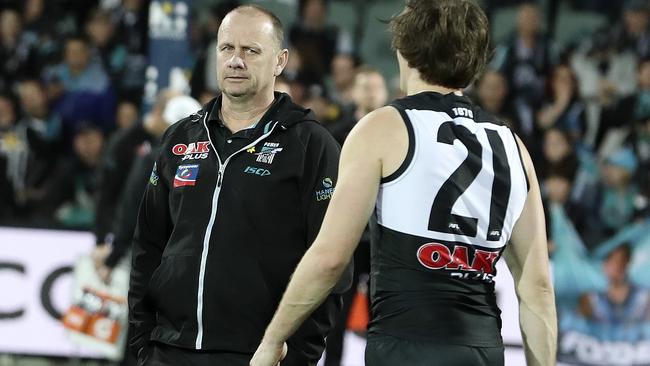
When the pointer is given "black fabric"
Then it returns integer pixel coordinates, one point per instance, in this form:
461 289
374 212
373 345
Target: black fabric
270 201
127 210
118 158
389 351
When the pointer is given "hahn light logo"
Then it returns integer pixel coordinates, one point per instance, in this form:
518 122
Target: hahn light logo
168 20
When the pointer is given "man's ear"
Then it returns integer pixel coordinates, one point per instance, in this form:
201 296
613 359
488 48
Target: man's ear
283 58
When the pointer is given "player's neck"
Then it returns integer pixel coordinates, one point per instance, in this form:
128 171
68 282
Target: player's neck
417 85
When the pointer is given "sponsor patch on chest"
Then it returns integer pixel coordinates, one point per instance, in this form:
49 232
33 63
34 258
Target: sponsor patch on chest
186 175
267 152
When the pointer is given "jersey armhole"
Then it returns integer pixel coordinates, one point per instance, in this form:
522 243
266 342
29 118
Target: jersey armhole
411 149
521 161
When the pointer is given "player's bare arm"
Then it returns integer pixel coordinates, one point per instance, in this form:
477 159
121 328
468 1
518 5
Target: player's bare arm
364 160
527 258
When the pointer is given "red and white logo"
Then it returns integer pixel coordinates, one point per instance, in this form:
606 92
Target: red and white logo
193 150
440 257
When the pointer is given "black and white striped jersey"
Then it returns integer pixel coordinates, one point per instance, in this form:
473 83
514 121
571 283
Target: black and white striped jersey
442 221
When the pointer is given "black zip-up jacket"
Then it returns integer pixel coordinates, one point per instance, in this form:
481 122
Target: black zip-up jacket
219 236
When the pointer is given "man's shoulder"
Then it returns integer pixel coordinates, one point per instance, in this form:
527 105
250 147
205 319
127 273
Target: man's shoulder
187 125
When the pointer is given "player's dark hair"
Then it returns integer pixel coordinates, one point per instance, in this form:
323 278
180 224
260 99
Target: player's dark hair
447 41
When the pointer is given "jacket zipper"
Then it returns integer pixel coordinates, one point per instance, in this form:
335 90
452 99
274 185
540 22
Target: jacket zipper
208 231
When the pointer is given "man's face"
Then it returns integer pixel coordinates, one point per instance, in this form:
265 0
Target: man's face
76 55
247 55
370 90
343 70
492 88
615 266
32 99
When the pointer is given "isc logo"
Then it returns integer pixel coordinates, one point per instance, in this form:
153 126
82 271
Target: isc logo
257 171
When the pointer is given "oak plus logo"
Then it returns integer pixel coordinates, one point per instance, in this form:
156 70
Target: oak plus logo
461 261
168 20
193 150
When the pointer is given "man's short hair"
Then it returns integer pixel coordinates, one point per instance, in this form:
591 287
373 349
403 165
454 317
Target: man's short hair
447 41
278 28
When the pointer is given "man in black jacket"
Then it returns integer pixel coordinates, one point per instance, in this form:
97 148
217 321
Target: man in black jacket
235 198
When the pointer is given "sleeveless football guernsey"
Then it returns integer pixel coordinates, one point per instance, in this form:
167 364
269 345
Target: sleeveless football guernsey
442 221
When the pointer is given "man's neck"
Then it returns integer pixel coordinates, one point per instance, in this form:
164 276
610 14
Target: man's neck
417 85
238 114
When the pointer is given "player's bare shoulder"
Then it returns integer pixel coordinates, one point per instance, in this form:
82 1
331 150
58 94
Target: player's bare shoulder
383 134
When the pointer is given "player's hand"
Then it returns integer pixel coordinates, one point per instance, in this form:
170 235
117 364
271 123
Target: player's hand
104 272
268 354
99 254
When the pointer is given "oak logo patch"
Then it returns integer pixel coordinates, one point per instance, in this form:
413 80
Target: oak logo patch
477 266
267 153
193 150
186 175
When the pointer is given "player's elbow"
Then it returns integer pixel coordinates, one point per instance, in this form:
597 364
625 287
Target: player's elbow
331 266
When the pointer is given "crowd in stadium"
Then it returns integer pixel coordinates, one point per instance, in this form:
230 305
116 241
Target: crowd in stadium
72 77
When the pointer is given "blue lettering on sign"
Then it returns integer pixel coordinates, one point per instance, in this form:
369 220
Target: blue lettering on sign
257 171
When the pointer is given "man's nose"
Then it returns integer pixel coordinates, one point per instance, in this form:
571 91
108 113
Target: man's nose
235 62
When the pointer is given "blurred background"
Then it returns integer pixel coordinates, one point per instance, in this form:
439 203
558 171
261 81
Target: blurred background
84 91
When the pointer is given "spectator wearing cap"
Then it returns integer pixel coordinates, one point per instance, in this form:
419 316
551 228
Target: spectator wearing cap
615 200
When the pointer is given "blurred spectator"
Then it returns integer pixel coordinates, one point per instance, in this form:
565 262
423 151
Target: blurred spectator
557 171
127 114
622 306
281 85
66 199
131 25
624 112
36 111
204 75
604 76
491 92
316 41
121 150
13 152
613 203
526 58
168 109
559 156
563 108
342 78
81 88
112 55
369 92
632 33
17 57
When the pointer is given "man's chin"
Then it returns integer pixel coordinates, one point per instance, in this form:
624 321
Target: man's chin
235 93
